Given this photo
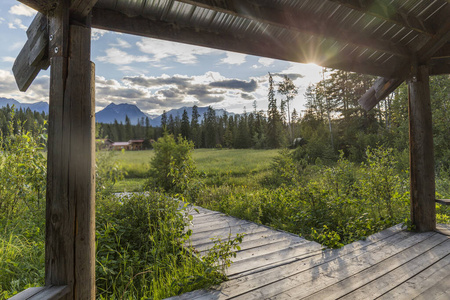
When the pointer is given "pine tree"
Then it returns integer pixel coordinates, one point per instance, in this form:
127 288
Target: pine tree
274 125
185 128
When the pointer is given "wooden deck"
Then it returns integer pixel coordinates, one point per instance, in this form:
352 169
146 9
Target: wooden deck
392 264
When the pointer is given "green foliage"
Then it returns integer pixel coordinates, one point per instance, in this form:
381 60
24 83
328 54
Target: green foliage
172 167
140 253
107 172
22 209
334 205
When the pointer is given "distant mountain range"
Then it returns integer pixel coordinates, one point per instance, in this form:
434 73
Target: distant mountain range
118 112
155 122
37 106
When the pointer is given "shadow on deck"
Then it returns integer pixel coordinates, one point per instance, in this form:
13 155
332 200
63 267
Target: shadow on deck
391 264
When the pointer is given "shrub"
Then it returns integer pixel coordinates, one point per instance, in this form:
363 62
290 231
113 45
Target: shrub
172 166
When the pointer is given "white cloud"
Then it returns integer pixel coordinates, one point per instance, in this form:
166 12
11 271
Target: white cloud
17 24
96 34
266 62
119 57
38 91
8 59
121 44
233 58
22 10
2 20
182 53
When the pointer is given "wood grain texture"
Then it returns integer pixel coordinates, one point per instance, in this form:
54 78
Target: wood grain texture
423 206
70 257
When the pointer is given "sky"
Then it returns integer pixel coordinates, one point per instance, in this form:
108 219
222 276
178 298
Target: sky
156 75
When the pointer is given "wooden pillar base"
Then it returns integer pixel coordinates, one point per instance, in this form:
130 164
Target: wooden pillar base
423 206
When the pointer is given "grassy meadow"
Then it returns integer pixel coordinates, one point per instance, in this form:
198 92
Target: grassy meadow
244 167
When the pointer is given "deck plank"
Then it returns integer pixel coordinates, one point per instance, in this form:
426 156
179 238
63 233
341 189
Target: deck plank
360 279
318 277
421 282
243 284
439 291
273 264
383 284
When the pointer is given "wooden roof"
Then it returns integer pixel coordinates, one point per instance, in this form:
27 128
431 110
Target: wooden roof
387 38
378 37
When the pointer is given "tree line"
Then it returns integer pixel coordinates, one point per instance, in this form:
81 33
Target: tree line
22 120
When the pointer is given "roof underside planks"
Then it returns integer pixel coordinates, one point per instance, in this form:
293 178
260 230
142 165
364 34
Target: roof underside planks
365 36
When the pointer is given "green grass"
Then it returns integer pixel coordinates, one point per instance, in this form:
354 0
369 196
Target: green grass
237 167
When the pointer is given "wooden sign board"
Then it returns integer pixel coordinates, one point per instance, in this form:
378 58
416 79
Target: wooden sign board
34 55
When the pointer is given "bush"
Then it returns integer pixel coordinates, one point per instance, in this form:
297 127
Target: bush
172 167
140 253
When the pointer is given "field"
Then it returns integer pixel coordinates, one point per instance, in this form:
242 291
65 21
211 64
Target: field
227 166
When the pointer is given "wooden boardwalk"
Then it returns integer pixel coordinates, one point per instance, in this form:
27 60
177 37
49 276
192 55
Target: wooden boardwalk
392 264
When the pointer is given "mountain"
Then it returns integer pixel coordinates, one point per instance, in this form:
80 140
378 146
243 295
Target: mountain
119 112
36 106
156 122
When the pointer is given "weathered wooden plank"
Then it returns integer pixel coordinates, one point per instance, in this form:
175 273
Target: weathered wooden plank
267 248
256 235
383 284
79 9
70 201
423 207
47 292
443 201
292 18
224 232
380 90
421 282
51 293
79 89
245 283
264 239
42 6
298 251
349 284
261 45
439 291
199 225
33 57
333 271
26 294
387 12
443 229
211 227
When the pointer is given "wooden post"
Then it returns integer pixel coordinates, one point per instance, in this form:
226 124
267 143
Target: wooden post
423 206
70 228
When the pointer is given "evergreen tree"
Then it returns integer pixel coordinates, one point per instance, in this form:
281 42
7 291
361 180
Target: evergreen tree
185 128
164 120
274 126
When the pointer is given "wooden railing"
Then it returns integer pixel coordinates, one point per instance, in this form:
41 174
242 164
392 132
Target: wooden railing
52 292
443 201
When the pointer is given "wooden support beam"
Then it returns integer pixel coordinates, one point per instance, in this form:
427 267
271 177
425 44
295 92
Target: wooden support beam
381 88
440 66
42 6
262 45
297 20
33 56
70 243
423 207
79 9
381 9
